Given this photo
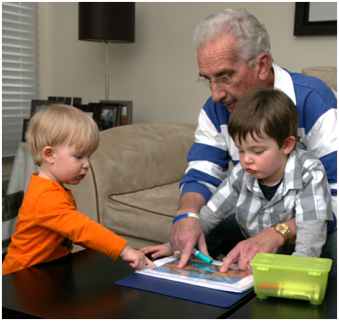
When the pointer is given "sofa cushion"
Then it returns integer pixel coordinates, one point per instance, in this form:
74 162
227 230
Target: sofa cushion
146 214
326 74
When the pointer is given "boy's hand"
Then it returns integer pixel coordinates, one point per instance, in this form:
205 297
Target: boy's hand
137 259
157 251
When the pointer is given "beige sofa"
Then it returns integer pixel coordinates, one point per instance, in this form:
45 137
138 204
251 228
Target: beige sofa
132 186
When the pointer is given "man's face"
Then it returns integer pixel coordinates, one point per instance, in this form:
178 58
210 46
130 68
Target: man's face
218 58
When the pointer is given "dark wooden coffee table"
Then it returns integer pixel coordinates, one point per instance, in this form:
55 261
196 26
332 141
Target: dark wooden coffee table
82 285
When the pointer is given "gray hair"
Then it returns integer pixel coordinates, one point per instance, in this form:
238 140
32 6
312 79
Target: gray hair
252 36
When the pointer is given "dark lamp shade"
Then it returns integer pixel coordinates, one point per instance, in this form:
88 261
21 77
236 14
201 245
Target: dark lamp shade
107 21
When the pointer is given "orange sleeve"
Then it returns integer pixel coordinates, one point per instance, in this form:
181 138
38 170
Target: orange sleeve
55 211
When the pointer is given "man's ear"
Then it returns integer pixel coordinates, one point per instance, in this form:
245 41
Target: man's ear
264 64
289 144
48 154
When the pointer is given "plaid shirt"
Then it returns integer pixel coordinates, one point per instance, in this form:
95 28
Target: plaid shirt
304 194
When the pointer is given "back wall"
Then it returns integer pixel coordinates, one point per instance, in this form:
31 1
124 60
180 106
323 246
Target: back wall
159 71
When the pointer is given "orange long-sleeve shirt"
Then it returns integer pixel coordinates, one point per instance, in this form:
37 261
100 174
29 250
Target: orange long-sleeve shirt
47 220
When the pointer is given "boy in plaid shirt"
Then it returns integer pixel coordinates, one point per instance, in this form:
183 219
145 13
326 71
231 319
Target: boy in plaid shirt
273 182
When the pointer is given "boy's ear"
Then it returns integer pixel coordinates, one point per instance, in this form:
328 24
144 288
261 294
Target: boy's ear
289 144
48 154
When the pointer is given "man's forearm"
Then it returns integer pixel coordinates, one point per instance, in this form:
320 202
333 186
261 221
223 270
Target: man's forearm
191 203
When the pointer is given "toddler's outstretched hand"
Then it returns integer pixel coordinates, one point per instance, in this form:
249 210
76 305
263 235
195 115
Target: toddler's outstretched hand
137 259
157 251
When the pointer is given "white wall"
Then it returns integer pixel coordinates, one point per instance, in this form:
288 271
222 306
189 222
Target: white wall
159 71
7 164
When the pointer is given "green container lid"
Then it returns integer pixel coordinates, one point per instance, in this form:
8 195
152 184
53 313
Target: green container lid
291 262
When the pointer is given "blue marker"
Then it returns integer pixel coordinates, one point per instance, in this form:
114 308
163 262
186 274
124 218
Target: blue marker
202 256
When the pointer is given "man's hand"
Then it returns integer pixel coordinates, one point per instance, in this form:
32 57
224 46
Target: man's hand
267 241
186 233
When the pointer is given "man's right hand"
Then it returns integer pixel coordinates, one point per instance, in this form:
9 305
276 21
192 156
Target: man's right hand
187 232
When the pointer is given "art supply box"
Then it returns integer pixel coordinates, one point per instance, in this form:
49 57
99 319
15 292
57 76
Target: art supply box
292 277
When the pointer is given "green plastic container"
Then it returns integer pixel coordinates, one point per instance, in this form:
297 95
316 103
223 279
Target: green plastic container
292 277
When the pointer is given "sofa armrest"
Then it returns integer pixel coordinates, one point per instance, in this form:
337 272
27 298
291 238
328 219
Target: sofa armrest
132 158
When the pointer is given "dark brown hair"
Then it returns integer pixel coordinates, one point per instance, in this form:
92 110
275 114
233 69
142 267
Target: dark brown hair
263 111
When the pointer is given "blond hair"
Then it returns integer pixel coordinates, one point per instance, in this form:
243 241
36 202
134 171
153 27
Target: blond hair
58 125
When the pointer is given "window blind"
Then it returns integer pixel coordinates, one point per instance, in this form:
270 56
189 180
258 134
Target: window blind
18 70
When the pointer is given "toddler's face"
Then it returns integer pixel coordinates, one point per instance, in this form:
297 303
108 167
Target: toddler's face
262 158
69 166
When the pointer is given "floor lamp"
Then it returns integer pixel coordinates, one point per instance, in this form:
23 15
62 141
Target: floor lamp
107 22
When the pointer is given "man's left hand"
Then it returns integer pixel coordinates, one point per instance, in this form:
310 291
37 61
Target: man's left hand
267 241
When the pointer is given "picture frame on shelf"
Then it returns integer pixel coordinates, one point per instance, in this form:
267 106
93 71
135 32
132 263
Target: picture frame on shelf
315 18
129 110
24 130
110 115
37 105
93 110
72 101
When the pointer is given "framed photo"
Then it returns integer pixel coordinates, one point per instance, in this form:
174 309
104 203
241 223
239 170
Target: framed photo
315 18
37 105
24 130
126 110
93 110
72 101
110 116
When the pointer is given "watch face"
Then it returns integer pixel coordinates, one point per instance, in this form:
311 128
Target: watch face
282 228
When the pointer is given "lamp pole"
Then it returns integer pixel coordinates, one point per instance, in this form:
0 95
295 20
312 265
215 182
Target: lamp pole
107 74
107 22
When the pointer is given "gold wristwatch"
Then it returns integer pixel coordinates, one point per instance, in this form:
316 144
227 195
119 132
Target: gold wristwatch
284 230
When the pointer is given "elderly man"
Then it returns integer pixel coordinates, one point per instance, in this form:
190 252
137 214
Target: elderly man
234 57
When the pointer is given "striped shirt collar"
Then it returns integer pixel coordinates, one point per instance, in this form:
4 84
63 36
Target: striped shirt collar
283 82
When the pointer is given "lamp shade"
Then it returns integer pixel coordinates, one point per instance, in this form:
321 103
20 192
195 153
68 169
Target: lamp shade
107 21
